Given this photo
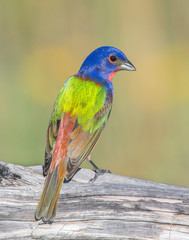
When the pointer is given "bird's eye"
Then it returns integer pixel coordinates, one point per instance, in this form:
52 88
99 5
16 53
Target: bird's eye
112 58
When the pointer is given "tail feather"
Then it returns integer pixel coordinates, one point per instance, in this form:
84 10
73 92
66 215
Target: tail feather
46 209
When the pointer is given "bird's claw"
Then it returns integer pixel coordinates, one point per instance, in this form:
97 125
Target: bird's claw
98 172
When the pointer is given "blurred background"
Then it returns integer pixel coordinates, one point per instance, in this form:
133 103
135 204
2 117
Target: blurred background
43 43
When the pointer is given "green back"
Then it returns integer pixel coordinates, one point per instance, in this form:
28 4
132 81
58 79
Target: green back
82 98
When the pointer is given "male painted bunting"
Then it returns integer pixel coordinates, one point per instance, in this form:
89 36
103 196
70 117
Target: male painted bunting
79 116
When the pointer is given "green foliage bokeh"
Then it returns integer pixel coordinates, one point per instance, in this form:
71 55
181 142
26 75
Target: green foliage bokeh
43 43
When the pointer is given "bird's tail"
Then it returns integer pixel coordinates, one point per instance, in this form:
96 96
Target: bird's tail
46 209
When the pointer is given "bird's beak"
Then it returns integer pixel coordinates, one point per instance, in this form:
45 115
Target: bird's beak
127 65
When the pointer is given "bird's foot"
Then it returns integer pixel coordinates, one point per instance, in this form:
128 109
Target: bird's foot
98 172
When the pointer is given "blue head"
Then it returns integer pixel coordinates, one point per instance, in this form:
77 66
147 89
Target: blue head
103 62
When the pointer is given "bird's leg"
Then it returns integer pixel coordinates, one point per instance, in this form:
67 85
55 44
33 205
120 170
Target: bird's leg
97 170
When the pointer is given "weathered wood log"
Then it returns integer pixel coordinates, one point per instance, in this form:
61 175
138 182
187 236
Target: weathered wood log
112 207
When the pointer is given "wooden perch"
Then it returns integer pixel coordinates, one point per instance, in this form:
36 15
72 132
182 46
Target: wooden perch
113 207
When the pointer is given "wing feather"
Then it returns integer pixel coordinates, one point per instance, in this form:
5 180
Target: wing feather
81 143
90 98
51 137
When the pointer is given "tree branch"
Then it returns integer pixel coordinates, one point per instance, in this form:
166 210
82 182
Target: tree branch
113 207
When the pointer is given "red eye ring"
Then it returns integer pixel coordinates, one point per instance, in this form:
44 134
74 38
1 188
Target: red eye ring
112 58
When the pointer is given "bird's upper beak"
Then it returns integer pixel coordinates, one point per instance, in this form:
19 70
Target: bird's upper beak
127 65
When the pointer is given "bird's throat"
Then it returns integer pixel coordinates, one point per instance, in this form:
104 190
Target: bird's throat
111 75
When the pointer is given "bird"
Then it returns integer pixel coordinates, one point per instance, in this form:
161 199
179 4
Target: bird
79 115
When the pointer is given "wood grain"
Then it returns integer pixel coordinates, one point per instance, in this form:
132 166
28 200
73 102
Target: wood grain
112 207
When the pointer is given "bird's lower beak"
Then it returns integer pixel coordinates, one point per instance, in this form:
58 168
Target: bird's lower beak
127 65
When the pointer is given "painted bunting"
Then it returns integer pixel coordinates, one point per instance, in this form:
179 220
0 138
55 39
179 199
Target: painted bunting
79 116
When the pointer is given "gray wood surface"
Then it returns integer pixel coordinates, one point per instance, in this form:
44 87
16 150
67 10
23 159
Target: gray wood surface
113 207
